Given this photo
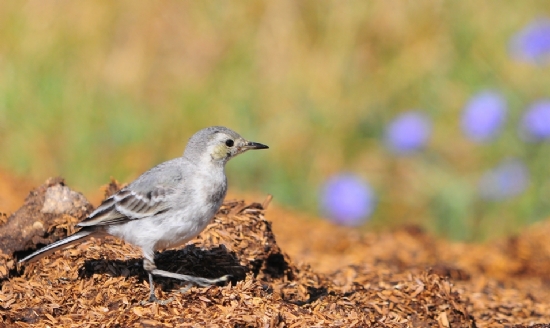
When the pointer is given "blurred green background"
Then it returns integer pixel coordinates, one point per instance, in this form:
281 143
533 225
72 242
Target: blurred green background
94 89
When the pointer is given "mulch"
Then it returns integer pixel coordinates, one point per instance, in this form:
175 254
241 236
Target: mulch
314 275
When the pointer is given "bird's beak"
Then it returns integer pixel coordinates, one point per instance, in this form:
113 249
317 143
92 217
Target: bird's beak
254 145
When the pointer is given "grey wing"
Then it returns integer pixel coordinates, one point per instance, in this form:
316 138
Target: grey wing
129 205
147 196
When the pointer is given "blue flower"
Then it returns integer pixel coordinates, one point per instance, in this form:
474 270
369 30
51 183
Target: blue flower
535 123
508 179
532 44
483 116
347 200
408 132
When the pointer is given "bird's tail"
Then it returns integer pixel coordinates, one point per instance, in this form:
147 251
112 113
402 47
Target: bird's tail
74 238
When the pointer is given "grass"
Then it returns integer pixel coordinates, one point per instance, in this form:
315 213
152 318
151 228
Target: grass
112 88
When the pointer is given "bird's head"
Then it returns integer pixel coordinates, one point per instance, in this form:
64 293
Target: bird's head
218 144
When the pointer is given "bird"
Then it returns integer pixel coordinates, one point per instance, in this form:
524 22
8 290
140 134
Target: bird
167 205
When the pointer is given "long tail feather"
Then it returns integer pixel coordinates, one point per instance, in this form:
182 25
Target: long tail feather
72 239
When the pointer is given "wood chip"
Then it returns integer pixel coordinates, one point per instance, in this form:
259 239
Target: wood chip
396 279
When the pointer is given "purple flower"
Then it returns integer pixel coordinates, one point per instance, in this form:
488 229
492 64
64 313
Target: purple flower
347 200
535 123
483 116
408 132
532 44
508 179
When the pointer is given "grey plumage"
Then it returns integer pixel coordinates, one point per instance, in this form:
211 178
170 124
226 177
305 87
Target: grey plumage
167 205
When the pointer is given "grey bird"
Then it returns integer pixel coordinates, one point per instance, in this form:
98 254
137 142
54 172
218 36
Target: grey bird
168 205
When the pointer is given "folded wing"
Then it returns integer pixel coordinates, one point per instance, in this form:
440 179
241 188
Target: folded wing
129 205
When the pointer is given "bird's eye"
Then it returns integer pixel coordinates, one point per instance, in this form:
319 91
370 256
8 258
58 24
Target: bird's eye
229 143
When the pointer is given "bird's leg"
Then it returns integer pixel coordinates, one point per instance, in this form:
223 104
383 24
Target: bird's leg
192 279
149 266
151 269
152 296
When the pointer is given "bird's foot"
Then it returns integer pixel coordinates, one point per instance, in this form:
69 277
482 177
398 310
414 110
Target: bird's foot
154 299
192 280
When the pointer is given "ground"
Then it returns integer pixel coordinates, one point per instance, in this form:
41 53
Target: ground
288 271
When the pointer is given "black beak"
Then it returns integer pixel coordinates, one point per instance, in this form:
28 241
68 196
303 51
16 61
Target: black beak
255 145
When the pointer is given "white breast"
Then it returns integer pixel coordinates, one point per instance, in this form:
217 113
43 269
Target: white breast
197 206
